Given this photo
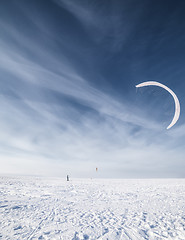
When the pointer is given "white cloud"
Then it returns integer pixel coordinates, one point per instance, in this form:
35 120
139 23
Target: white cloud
39 136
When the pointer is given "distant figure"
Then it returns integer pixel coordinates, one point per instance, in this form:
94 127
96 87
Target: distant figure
96 169
67 177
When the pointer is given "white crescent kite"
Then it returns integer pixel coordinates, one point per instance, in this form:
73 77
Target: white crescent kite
177 104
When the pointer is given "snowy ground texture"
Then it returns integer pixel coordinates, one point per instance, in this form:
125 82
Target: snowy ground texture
48 208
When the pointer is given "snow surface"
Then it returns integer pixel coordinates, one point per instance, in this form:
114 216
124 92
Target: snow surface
48 208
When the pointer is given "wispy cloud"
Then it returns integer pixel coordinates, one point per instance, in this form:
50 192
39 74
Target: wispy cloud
106 24
54 121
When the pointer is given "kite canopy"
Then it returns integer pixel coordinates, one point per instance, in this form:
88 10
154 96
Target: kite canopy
177 104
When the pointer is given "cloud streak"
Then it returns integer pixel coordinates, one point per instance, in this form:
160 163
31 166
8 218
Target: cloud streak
54 121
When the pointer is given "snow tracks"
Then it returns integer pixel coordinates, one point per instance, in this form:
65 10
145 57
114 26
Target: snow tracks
47 208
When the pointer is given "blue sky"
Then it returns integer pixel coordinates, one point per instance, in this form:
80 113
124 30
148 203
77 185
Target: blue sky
67 90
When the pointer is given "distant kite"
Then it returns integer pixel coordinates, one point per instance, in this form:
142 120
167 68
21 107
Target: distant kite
177 104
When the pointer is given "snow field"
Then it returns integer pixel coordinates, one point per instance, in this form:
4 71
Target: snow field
52 208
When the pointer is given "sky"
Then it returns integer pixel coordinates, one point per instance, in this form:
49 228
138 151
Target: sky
68 101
